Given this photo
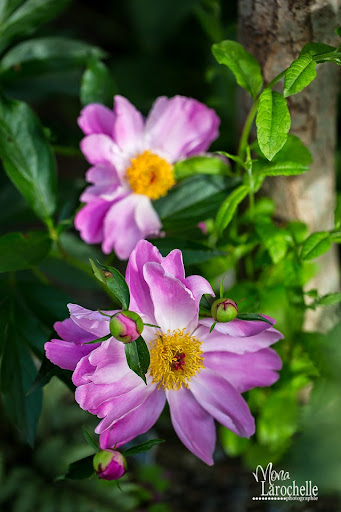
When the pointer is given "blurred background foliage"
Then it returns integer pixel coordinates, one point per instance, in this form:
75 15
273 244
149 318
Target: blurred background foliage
57 57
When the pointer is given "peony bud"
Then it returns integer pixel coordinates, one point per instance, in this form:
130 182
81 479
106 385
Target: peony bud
126 326
109 464
224 310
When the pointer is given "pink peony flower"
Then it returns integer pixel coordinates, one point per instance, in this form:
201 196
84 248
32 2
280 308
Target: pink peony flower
200 374
132 161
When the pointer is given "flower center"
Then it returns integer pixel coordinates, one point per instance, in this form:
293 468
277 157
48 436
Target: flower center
174 359
150 175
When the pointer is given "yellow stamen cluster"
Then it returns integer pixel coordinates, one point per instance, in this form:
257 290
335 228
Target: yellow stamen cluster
150 175
174 359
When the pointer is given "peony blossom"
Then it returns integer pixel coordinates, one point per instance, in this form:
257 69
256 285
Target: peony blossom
132 165
200 374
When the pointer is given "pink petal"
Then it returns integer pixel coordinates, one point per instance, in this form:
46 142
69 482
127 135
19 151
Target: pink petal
136 422
128 127
100 149
66 355
122 405
128 221
69 331
95 118
181 127
90 321
218 342
140 299
90 220
198 286
173 264
110 193
146 217
194 426
240 327
121 232
102 175
220 399
174 307
245 371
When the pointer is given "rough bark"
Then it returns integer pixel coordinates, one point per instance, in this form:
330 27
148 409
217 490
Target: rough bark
274 31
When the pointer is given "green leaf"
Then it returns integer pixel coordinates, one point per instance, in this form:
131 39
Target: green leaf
200 165
48 370
80 469
193 253
329 300
232 443
300 73
89 439
19 251
274 239
229 206
48 54
17 376
273 122
97 84
278 419
253 316
193 200
138 357
315 245
117 285
264 168
143 447
27 156
317 48
294 151
242 64
26 18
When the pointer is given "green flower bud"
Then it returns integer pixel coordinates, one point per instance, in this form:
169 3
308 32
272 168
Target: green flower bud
126 326
109 464
224 310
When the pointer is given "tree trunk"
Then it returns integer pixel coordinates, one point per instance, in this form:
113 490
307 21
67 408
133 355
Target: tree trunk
274 31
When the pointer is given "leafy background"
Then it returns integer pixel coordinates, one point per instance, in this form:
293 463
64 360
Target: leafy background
140 50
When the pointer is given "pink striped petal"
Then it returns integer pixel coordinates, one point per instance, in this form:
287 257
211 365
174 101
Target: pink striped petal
90 221
245 371
181 127
218 342
96 118
194 426
140 299
174 307
128 127
220 399
240 327
137 422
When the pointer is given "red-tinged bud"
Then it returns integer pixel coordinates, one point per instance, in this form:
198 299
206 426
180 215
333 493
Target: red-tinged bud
126 326
224 310
109 464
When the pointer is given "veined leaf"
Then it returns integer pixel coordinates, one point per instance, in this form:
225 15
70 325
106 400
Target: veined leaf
138 357
300 74
242 64
315 245
273 122
229 206
264 168
27 156
97 84
200 165
143 447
